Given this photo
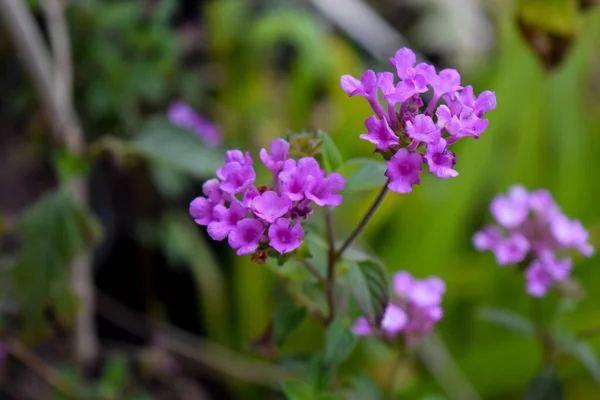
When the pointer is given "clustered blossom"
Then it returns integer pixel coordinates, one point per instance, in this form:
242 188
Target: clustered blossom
531 229
250 217
409 136
413 311
181 114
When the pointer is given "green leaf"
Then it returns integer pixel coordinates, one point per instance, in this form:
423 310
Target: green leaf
67 164
297 390
365 388
319 374
162 142
288 316
339 343
583 352
330 153
545 386
369 286
114 378
363 174
330 396
507 319
53 231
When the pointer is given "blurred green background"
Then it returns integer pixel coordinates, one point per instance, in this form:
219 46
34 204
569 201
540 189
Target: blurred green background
259 69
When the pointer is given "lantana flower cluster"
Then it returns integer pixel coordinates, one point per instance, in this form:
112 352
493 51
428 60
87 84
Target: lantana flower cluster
248 216
408 135
413 311
531 229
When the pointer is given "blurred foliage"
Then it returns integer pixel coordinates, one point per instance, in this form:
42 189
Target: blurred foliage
276 69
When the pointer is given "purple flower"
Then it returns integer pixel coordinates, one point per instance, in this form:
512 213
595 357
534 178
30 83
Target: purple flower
487 239
380 133
321 190
295 176
510 211
511 250
285 238
393 321
544 272
403 171
403 61
447 81
236 177
269 206
571 233
409 87
361 327
441 160
414 309
279 152
226 220
181 114
246 236
365 87
531 226
423 130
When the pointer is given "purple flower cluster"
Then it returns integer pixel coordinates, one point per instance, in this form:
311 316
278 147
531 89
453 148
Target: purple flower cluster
531 228
409 136
234 208
181 114
414 310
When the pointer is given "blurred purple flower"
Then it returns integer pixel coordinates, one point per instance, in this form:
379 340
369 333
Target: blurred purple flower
531 227
181 114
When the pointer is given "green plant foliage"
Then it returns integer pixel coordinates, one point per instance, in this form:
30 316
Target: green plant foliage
363 174
332 157
369 286
54 231
287 317
164 143
545 386
297 390
339 343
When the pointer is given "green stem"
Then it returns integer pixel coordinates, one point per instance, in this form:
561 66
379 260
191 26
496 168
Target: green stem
365 220
391 385
543 336
331 258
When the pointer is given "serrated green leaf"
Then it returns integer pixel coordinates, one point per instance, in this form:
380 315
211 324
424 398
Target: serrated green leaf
162 142
363 174
507 319
297 390
332 158
288 316
545 386
369 286
339 343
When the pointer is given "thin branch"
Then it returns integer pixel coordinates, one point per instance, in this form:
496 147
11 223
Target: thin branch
331 259
313 270
207 353
38 366
365 220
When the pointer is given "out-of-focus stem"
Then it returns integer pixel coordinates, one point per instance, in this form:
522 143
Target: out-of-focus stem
544 339
52 78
